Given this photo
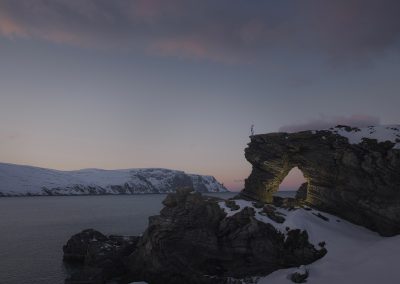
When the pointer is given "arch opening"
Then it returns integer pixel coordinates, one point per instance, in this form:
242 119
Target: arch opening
291 183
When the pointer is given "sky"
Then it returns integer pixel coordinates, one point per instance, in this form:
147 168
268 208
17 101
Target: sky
177 84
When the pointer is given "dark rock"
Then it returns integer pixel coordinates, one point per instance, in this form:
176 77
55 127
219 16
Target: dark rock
232 205
110 256
76 248
194 242
300 276
271 213
284 202
358 182
258 204
301 194
319 215
298 250
102 257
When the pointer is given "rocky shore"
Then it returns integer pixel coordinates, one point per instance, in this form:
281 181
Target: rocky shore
195 239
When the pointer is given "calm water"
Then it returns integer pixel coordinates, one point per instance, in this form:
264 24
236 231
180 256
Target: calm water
34 229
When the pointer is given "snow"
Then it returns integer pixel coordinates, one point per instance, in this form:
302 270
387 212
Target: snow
22 180
355 254
381 133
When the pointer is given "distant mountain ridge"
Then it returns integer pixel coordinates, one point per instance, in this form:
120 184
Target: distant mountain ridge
19 180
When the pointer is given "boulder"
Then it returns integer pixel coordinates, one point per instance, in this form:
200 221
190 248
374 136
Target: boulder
300 275
101 257
76 248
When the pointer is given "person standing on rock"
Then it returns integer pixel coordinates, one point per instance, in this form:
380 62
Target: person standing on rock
252 130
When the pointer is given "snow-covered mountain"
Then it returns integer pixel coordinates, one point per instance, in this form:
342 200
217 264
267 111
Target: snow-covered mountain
18 180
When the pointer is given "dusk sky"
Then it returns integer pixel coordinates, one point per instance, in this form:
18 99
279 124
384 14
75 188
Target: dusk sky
176 84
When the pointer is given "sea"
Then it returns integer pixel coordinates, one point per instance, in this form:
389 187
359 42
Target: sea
33 230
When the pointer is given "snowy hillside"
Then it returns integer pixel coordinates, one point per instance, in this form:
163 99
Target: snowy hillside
381 133
17 180
355 254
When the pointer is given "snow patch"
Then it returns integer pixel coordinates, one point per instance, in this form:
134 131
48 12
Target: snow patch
382 133
355 254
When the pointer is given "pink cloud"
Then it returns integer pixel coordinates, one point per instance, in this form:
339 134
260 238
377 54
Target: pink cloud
182 47
223 31
191 47
10 28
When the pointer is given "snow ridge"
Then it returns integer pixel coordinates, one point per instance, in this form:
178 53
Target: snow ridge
381 133
18 180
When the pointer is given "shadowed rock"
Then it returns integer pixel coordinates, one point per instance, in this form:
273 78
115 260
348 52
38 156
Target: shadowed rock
77 246
101 257
192 241
359 182
301 194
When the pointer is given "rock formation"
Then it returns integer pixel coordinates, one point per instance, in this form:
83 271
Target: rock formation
192 241
101 257
351 172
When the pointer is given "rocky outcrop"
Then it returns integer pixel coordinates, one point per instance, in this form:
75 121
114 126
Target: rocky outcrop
100 257
358 180
77 246
193 240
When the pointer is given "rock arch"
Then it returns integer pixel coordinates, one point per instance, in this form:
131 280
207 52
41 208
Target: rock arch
359 182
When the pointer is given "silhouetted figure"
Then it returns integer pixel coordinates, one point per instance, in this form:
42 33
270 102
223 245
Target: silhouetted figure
252 129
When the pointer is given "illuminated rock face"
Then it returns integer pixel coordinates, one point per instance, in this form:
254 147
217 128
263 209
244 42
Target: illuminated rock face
359 182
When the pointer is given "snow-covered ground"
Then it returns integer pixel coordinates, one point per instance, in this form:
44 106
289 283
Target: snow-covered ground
23 180
355 254
381 133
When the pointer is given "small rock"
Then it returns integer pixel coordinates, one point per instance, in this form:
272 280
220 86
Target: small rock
319 215
271 213
258 204
232 205
300 275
